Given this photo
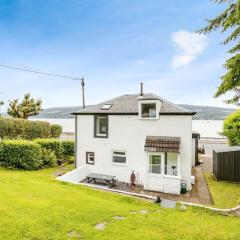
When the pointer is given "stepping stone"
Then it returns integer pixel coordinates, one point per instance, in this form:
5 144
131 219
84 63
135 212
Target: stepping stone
168 203
119 217
144 211
74 234
100 226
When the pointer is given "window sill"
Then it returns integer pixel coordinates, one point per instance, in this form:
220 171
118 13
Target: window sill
164 176
119 164
140 118
170 176
101 136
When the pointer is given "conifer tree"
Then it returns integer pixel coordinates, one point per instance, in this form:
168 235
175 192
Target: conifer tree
229 21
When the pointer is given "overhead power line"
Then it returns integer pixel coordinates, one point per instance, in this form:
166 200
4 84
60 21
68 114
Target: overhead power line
50 74
39 72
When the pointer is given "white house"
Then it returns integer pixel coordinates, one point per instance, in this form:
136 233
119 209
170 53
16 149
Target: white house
142 133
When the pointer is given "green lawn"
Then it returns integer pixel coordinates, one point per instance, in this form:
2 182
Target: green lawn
225 194
33 205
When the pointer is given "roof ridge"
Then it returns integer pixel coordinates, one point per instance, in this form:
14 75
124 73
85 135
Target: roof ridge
173 104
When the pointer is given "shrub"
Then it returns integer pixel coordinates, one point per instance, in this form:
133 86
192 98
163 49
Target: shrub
68 148
48 158
7 128
21 154
55 130
51 144
231 128
36 129
12 128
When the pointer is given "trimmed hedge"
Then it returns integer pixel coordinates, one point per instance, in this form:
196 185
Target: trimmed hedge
51 144
55 130
21 154
32 155
12 128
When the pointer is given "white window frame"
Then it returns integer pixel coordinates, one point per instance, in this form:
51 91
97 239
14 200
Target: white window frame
119 155
161 164
88 153
178 168
145 102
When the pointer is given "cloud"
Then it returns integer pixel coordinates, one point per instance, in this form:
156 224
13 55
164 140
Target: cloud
190 44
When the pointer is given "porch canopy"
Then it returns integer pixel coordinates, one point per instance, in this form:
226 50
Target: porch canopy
162 144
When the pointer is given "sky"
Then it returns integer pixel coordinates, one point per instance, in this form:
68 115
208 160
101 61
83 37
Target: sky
115 45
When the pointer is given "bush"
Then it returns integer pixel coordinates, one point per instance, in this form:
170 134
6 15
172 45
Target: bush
55 130
48 158
12 128
51 144
36 129
231 128
68 148
21 154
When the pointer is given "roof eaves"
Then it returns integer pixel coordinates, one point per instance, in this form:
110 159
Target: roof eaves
130 113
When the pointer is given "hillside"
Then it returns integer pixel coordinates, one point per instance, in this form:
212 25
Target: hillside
208 113
203 112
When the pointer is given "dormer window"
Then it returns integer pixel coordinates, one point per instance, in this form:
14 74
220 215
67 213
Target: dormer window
148 110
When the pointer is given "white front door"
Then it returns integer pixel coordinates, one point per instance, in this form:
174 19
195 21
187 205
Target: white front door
155 171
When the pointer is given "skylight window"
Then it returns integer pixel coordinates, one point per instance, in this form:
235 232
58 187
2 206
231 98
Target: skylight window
106 106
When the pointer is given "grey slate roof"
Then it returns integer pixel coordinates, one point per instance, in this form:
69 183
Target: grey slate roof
128 105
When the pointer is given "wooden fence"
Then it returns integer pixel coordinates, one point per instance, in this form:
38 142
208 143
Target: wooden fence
226 165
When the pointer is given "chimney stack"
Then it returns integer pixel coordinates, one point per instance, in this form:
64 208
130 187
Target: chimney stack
141 89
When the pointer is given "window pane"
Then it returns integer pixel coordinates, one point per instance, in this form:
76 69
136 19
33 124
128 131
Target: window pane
101 125
149 110
156 168
119 153
155 164
90 158
155 159
171 165
119 157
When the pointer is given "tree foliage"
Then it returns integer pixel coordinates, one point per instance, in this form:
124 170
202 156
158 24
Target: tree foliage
229 21
28 107
231 128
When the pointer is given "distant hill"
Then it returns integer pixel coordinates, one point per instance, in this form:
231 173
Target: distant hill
203 112
58 112
208 113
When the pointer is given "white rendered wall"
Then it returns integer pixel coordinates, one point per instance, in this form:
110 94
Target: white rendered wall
128 133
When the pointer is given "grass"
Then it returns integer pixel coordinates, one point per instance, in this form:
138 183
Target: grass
225 194
35 206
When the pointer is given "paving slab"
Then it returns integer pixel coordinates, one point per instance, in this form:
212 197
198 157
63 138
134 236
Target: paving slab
168 203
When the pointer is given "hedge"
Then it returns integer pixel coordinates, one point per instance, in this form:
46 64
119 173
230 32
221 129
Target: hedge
68 148
55 130
31 155
51 144
21 154
12 128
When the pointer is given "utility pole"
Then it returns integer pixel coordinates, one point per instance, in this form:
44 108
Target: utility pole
83 95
